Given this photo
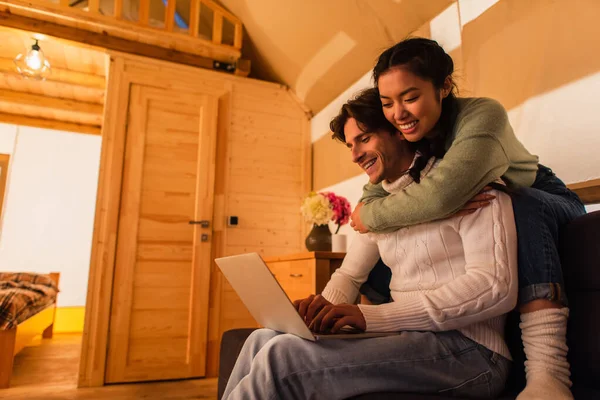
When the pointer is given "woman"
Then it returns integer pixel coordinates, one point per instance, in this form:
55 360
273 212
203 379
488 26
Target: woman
452 284
414 79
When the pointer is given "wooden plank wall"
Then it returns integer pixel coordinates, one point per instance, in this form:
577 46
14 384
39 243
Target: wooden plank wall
263 171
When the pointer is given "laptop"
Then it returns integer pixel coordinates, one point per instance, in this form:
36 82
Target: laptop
268 303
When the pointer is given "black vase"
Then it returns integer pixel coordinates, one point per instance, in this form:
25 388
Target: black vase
319 238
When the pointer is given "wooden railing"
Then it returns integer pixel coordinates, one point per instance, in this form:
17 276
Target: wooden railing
219 15
119 30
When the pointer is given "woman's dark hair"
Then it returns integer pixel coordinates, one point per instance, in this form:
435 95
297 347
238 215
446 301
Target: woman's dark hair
426 59
366 109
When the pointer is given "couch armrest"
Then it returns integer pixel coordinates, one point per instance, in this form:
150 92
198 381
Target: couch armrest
231 345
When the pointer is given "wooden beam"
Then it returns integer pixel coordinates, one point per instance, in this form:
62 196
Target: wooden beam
7 66
103 40
36 100
588 191
242 67
105 31
58 40
49 124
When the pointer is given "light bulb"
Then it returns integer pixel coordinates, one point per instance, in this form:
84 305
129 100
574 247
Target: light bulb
35 59
33 65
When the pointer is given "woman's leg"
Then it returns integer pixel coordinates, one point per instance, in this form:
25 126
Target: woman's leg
540 211
273 366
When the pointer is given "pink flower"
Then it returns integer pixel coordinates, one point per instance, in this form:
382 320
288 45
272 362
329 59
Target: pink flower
340 207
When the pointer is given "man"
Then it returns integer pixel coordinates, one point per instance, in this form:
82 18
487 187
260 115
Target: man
452 283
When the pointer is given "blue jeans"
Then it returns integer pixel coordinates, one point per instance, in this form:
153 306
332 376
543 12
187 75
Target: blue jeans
540 211
273 365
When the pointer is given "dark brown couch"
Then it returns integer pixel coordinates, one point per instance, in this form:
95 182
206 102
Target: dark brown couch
580 253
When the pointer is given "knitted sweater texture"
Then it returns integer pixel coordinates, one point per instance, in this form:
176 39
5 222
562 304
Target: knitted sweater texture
457 273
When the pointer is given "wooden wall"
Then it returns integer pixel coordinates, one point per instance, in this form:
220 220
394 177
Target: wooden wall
262 174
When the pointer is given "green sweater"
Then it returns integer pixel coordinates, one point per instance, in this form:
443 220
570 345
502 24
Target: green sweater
481 148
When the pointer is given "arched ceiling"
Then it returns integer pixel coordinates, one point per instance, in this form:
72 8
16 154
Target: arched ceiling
320 47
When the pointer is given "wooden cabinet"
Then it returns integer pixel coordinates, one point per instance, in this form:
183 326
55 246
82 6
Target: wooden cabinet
303 274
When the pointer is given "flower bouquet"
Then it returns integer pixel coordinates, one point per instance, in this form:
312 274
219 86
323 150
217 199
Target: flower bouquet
319 209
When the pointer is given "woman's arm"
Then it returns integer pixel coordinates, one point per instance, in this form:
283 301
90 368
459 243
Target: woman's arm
487 289
476 157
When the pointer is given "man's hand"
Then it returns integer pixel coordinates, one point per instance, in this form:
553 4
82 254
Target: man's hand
355 222
480 200
310 306
332 318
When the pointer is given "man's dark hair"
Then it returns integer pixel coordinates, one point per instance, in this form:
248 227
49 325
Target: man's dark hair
366 109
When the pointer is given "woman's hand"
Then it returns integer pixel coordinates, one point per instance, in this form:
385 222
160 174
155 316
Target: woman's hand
310 306
355 222
480 200
332 318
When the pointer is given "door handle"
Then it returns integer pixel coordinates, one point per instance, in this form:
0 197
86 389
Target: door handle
204 223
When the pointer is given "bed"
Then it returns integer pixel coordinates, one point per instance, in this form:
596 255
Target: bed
27 309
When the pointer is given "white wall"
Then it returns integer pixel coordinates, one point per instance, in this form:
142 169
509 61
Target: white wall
445 28
319 124
49 209
471 9
352 190
7 138
560 126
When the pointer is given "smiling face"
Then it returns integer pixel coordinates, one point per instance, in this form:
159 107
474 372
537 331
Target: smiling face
381 154
412 104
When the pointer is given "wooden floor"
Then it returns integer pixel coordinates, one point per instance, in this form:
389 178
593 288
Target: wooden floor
49 372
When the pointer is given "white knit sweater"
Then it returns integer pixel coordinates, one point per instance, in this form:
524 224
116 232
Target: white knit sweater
458 273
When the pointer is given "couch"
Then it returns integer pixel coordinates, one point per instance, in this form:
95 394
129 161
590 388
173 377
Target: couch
580 254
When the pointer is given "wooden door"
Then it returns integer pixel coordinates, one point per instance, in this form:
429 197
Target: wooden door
159 309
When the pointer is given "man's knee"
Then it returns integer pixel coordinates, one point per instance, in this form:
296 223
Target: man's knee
259 338
281 356
285 346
